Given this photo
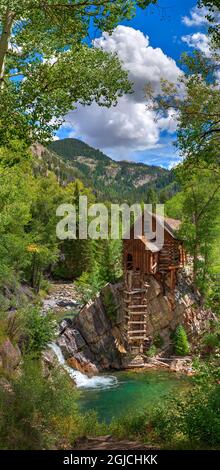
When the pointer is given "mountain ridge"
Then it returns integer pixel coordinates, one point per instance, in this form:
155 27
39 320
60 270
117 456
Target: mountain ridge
112 180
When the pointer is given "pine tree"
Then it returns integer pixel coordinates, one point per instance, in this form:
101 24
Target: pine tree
181 342
76 255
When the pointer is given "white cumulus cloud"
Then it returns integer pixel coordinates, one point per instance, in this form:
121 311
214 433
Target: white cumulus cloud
143 62
197 17
129 125
198 41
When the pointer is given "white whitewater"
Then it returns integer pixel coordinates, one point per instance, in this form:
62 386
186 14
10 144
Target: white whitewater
81 380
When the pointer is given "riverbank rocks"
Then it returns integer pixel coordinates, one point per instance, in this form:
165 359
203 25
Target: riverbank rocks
62 297
92 340
81 364
10 355
182 365
49 361
136 362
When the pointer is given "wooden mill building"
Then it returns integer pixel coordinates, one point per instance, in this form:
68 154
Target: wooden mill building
143 257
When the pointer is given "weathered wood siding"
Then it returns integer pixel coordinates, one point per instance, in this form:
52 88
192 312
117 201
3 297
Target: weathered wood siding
140 256
171 256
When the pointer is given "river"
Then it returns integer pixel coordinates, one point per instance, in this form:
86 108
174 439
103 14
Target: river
122 393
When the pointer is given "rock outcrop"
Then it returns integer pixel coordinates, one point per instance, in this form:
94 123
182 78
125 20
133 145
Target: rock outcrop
95 339
10 355
83 365
92 340
165 313
49 362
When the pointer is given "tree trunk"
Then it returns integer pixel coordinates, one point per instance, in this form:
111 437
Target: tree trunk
195 267
4 42
195 249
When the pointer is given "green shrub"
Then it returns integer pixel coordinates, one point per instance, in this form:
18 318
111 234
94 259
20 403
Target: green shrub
45 285
161 423
158 341
128 426
42 413
39 330
192 421
200 417
109 304
88 285
213 291
4 302
181 342
35 413
10 326
3 334
211 342
152 351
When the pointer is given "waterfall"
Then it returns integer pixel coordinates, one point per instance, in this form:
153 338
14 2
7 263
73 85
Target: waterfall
81 380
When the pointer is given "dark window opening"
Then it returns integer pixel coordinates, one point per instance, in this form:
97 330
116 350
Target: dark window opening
129 261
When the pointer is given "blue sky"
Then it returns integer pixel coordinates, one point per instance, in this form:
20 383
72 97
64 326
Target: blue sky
129 131
163 24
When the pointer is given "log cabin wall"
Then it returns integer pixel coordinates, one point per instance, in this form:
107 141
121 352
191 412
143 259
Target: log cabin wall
170 254
136 257
138 263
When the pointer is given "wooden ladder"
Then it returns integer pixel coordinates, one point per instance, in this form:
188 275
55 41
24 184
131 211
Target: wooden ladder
135 308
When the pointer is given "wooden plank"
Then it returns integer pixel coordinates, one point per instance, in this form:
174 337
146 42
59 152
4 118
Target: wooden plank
133 320
143 314
134 332
138 306
130 316
135 313
138 337
129 300
133 292
132 308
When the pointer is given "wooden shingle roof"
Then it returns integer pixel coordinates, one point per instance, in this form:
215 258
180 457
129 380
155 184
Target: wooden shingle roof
172 225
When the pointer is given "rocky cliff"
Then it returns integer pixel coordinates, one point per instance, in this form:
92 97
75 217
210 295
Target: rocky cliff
165 313
95 340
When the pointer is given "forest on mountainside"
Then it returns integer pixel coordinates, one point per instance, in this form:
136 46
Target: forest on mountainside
113 181
36 177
